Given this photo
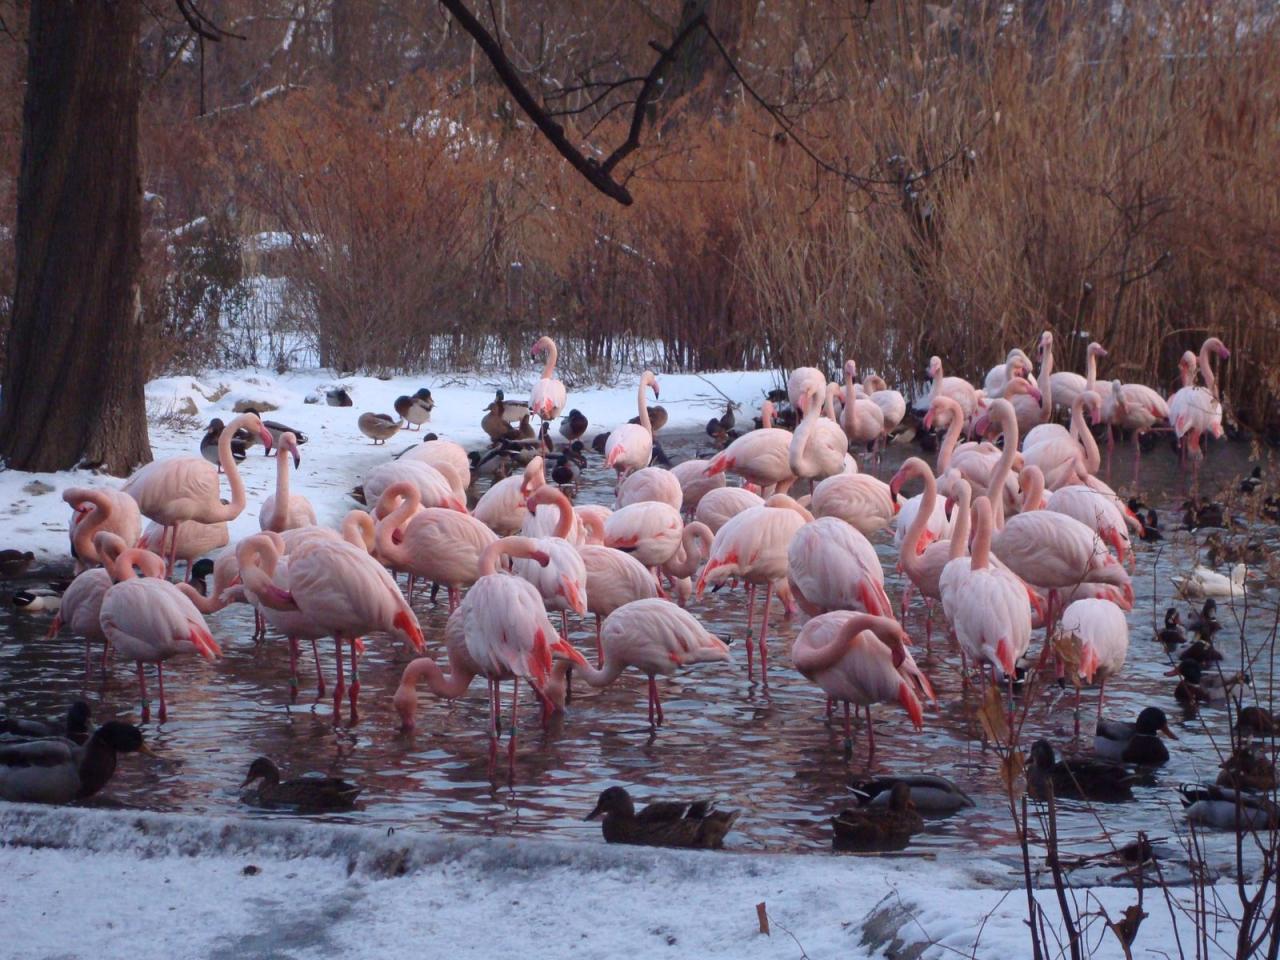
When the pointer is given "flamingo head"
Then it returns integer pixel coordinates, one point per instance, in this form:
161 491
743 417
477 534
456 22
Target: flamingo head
289 443
1093 403
982 425
1045 344
935 367
895 484
1097 350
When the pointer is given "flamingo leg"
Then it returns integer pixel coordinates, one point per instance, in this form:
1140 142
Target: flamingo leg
355 678
293 669
564 624
871 735
340 687
106 652
164 712
259 625
315 652
928 627
1102 692
142 688
751 600
848 729
1077 713
411 579
493 725
88 660
511 743
651 693
453 599
1137 455
599 645
764 635
831 710
173 552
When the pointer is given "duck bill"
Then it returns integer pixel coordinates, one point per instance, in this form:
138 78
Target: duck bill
594 813
147 750
1167 732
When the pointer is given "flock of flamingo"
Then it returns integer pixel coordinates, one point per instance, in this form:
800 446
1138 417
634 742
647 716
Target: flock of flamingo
1003 538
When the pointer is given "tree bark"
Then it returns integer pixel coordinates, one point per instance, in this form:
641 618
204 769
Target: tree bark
74 371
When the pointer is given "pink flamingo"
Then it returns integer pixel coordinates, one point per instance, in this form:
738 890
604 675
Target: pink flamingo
987 607
502 508
592 518
191 542
1067 384
993 475
694 483
831 566
81 606
753 546
98 510
149 620
652 483
1100 513
892 404
630 446
613 578
1100 628
1134 407
860 500
861 659
282 510
819 446
717 507
446 456
921 560
762 457
226 575
548 397
652 635
1016 364
562 579
649 530
337 587
801 381
1031 409
507 633
441 546
862 418
450 686
956 388
695 547
1065 459
434 489
1197 411
185 489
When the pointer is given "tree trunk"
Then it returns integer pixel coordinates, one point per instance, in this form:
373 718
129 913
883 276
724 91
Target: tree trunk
74 372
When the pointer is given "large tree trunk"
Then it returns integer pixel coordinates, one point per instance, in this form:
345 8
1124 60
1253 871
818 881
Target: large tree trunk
74 373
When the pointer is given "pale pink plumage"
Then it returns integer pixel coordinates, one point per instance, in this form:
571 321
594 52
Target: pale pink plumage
860 500
831 566
717 507
284 510
694 483
434 490
548 396
630 446
502 508
650 531
102 509
651 483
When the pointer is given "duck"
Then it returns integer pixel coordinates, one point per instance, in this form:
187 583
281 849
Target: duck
664 824
495 424
1203 582
929 793
1205 624
1271 508
413 411
1256 721
58 770
338 397
1201 651
1077 778
512 410
1136 742
378 427
566 470
209 443
1251 483
311 793
879 827
493 462
1198 513
37 600
74 726
1247 769
423 396
659 457
657 418
273 427
1172 634
14 563
1196 686
573 425
1226 809
598 443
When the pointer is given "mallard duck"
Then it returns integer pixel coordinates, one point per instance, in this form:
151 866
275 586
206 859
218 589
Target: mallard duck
573 425
887 826
663 824
525 430
659 457
37 600
1136 742
74 726
423 396
1203 582
1197 686
1246 769
1253 481
566 471
1077 778
58 770
1256 721
1227 809
14 563
1151 532
1200 651
209 443
1200 513
1172 634
546 446
338 397
598 443
493 462
379 427
511 410
1204 624
929 793
301 793
494 423
412 411
657 418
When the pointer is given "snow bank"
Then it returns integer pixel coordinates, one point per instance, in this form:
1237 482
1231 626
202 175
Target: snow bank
100 884
338 455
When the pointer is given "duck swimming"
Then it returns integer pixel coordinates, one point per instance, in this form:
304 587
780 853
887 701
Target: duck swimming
1247 769
662 824
60 770
887 826
14 563
1205 623
1203 582
1077 778
929 793
303 793
1136 742
573 425
1197 686
74 726
1255 721
1172 634
1227 809
1251 483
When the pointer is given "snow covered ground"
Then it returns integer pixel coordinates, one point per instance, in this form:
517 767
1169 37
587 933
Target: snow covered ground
337 455
104 884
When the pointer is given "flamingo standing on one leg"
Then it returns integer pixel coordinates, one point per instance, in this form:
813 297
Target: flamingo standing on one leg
613 579
654 636
181 489
548 396
860 659
282 510
630 446
81 607
1100 628
1197 411
831 566
762 457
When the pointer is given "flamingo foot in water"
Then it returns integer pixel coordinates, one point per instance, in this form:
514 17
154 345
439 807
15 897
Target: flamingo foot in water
142 688
164 712
340 687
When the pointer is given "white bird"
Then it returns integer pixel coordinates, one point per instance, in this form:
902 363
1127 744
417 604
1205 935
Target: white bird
1203 582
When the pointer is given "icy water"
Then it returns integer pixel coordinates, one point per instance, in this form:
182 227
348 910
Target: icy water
769 752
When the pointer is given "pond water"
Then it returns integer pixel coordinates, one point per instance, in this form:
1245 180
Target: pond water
768 752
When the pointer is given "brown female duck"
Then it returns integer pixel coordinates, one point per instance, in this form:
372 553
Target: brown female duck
875 827
302 793
663 824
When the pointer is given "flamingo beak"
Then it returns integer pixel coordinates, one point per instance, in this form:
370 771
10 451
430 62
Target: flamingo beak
297 459
265 436
655 389
928 420
1035 393
1223 352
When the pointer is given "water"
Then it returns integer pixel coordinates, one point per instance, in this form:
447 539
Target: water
768 752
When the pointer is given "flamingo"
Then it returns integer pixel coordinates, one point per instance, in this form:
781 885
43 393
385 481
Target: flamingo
976 461
1134 407
831 566
548 397
282 510
987 607
450 686
652 635
1100 628
860 500
1196 411
81 606
762 457
441 546
613 578
956 388
1066 457
149 620
994 475
97 510
502 508
694 483
695 547
893 406
1032 409
862 418
652 483
861 659
190 542
921 560
507 633
648 530
434 490
449 458
1016 364
183 489
630 446
1067 384
592 517
226 574
1097 511
717 507
801 381
819 446
753 546
562 580
339 589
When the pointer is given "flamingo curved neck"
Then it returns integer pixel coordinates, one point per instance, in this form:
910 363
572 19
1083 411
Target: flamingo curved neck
552 497
1046 383
642 408
960 527
1032 489
384 537
552 355
953 433
149 563
448 686
1206 367
89 525
280 506
982 535
909 553
358 529
1092 456
995 483
1090 368
521 548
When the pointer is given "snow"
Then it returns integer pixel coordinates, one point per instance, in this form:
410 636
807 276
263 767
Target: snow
337 455
101 884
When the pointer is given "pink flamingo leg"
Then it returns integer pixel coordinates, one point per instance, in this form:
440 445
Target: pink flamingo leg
341 686
293 669
453 599
315 652
142 687
764 635
751 609
411 579
564 624
599 645
493 725
164 712
355 679
848 728
871 735
173 552
511 742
